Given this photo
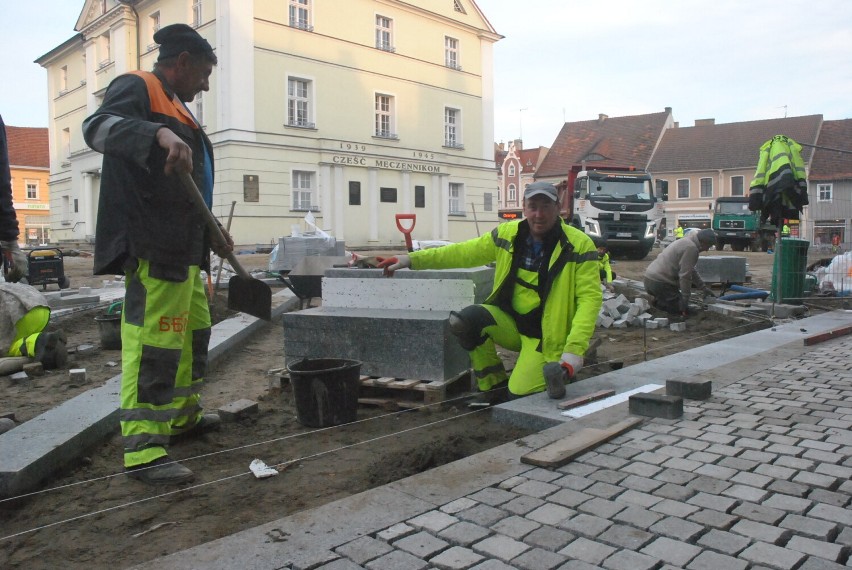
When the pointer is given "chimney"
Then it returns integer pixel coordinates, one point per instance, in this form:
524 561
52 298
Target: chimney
705 122
519 144
602 118
668 110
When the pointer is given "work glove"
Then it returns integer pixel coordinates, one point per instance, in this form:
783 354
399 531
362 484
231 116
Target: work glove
17 261
571 363
391 264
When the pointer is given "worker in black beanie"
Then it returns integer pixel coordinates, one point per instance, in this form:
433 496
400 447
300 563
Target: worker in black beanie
178 38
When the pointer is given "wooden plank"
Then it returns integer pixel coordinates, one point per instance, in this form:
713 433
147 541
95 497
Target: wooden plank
834 333
561 452
383 381
583 400
404 384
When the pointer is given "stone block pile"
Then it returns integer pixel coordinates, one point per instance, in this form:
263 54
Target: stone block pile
619 312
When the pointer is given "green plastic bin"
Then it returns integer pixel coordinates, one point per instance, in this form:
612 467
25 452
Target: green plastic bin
791 262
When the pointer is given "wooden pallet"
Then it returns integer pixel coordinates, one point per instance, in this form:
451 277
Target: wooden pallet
394 393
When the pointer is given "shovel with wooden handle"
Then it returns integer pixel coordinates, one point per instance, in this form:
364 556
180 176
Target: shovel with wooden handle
245 293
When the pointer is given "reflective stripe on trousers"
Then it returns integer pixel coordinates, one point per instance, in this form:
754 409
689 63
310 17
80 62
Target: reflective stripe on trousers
27 330
527 377
165 330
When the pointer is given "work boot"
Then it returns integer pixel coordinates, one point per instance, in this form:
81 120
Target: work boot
206 424
50 349
496 395
162 471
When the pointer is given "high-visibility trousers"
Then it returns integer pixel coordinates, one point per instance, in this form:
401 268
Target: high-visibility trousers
165 331
27 330
497 327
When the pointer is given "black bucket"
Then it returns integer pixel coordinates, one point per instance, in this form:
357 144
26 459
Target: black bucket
325 390
110 328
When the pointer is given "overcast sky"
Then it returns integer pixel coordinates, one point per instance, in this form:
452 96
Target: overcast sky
569 60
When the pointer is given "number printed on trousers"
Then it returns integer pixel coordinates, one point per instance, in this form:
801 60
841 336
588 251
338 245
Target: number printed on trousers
174 324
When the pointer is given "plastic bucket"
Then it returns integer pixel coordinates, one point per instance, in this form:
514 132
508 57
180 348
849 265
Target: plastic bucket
325 390
109 327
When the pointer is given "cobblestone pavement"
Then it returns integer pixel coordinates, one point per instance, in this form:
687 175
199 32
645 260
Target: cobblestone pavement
758 476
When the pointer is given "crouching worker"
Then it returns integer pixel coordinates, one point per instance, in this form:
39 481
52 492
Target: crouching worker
671 276
544 303
25 315
607 274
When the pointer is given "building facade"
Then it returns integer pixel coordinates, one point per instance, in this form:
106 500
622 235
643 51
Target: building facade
516 168
29 165
828 222
353 111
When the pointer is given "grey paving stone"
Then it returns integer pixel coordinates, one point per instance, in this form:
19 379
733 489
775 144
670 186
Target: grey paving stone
831 513
709 501
458 505
788 503
575 482
464 533
775 471
674 476
422 544
752 479
398 560
492 496
673 451
396 531
633 497
605 461
456 558
434 521
672 551
538 489
772 556
845 537
827 550
788 488
724 542
578 565
522 505
674 508
541 474
340 564
814 563
624 536
795 463
608 476
639 483
549 538
811 527
840 499
628 560
515 526
577 468
550 514
588 551
822 456
675 492
746 493
639 517
708 484
492 565
511 482
483 515
678 529
838 471
738 464
601 507
538 559
500 547
363 549
604 490
708 560
569 498
759 513
815 480
761 532
585 525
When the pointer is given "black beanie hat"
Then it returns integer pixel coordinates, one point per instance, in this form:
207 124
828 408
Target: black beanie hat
177 38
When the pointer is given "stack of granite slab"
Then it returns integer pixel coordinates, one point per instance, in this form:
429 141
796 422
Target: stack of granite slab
291 250
397 327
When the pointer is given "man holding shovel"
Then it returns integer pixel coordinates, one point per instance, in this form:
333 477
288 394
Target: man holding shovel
149 228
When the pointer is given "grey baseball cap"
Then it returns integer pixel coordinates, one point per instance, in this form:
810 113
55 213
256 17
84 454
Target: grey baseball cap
541 188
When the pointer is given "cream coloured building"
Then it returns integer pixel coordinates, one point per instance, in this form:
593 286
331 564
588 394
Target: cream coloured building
354 110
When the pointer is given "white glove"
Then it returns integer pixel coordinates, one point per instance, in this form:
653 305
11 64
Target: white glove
17 260
572 363
391 264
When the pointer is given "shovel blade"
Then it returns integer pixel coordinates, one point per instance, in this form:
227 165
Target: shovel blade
250 296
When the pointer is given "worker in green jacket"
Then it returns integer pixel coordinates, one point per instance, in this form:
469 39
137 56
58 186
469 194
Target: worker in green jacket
544 303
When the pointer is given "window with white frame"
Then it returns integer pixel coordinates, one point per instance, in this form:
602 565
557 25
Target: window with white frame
824 192
683 188
63 79
511 169
384 33
513 193
737 186
32 189
458 7
66 143
384 116
197 19
303 190
705 188
300 14
299 102
456 198
199 108
452 128
451 52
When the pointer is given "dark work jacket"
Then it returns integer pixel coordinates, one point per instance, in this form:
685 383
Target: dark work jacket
142 213
8 218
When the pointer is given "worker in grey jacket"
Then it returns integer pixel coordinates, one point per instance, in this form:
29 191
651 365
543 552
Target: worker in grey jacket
671 276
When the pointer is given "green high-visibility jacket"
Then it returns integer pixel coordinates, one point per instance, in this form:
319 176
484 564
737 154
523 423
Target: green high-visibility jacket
779 186
571 307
